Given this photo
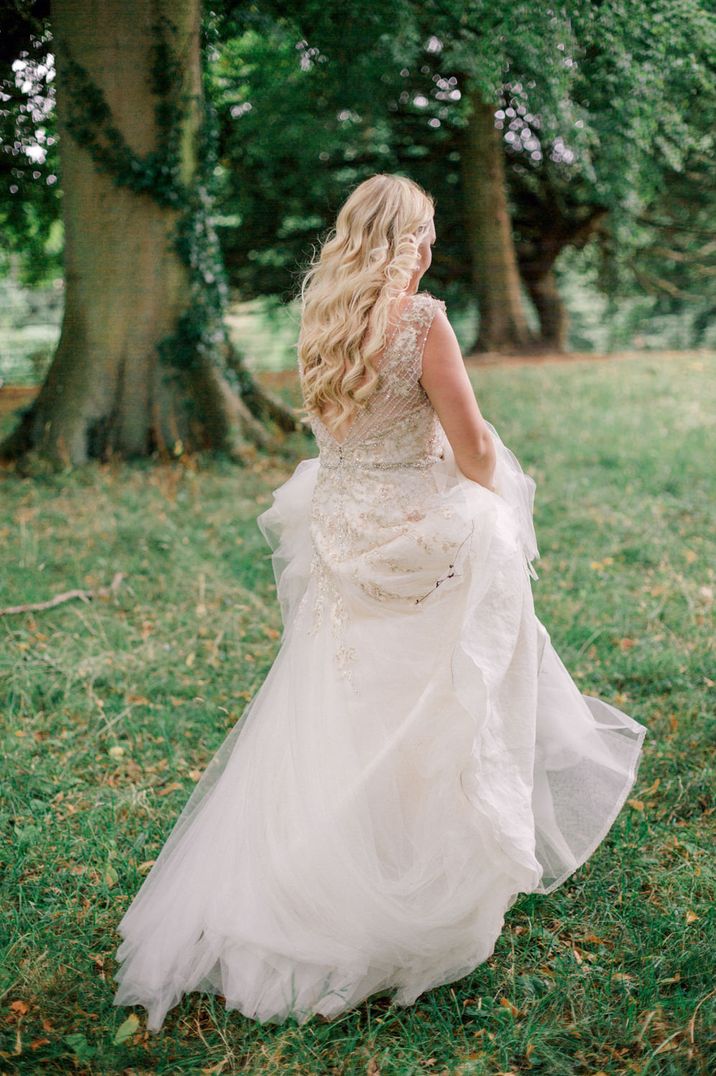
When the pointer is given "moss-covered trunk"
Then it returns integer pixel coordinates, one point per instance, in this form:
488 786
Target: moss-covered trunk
123 107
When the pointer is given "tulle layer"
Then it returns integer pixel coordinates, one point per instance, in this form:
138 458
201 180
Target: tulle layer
366 825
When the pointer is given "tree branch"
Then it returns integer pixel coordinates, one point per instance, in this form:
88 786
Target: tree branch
67 596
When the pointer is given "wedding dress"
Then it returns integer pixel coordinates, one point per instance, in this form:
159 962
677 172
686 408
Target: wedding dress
417 756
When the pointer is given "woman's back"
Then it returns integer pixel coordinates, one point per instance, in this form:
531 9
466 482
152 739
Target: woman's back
397 426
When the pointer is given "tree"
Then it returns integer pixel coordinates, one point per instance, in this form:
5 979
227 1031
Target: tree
593 106
495 272
138 367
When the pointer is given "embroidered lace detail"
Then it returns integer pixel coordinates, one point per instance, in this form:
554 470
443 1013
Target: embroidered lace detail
374 484
399 392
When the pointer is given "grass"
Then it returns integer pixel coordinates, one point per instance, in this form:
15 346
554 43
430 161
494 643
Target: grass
112 709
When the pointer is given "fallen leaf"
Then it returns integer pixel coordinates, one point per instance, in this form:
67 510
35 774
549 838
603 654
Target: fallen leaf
126 1029
169 788
636 804
20 1007
508 1005
691 917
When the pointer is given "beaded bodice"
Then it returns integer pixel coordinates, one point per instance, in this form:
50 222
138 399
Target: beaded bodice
380 530
398 426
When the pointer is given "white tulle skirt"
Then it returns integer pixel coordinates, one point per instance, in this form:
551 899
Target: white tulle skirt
366 834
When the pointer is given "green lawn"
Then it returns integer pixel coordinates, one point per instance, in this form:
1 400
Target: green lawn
111 709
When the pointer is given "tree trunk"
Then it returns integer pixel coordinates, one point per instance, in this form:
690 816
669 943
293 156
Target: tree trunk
551 311
547 226
503 326
127 289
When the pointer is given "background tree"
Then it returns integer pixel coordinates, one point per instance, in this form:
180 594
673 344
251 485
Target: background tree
136 368
593 106
603 119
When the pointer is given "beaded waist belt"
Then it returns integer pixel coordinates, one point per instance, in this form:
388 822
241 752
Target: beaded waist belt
339 460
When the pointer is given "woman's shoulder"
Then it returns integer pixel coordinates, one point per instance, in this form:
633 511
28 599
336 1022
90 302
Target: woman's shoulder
426 300
423 307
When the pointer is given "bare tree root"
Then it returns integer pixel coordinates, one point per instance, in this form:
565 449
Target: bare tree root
260 402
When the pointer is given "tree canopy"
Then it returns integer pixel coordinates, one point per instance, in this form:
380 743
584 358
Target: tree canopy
606 113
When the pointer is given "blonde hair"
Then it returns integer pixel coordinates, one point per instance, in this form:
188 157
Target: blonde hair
366 261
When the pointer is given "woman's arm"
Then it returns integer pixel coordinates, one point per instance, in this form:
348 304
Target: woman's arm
445 380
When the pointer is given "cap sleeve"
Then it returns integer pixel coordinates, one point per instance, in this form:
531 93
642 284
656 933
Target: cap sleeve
403 365
427 310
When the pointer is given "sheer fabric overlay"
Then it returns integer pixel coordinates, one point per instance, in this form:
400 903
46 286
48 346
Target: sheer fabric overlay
417 756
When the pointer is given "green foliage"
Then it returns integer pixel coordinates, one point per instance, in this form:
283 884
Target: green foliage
604 108
91 123
29 191
112 708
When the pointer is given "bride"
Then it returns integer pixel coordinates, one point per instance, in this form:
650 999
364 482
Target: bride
418 755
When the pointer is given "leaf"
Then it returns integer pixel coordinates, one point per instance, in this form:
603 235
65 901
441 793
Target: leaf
20 1007
691 917
636 804
79 1045
169 788
110 875
508 1005
126 1029
652 788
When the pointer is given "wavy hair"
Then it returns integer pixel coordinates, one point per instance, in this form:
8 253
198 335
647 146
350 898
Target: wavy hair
365 262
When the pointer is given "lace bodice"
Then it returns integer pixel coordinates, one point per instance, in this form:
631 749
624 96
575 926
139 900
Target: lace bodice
380 529
398 426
